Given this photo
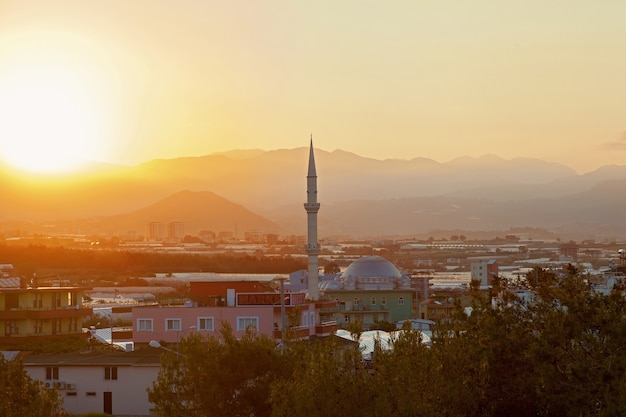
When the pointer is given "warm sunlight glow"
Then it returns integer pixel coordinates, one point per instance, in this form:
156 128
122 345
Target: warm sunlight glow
48 120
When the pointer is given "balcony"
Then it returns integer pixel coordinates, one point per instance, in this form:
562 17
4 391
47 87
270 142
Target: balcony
298 332
326 328
20 338
359 308
325 304
45 313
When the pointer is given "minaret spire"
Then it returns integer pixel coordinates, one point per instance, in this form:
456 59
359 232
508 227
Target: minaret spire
312 172
312 207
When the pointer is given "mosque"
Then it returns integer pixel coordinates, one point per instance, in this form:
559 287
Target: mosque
371 289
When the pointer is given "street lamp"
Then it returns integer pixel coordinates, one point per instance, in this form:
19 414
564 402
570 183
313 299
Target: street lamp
155 344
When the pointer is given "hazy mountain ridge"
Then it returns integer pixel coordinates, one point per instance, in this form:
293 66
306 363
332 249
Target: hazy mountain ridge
359 196
199 211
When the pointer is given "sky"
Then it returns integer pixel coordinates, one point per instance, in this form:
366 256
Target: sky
127 81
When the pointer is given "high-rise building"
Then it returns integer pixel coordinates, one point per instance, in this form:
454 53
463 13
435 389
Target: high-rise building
156 231
176 231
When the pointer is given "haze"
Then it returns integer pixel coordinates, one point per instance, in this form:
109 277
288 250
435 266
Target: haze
156 79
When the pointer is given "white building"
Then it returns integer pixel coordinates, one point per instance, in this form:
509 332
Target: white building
485 272
99 381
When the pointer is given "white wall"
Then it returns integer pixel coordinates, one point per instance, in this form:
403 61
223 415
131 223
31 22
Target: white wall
129 391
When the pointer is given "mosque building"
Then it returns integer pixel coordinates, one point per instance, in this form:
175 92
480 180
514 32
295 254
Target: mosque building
370 290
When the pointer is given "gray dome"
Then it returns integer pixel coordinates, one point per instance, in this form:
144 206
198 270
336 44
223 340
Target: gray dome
371 266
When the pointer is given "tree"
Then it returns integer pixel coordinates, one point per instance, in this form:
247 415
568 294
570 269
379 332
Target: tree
326 379
561 355
578 354
212 376
23 397
383 325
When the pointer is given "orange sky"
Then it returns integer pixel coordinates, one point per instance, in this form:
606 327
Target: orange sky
129 81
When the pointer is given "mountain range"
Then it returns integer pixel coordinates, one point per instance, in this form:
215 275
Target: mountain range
360 197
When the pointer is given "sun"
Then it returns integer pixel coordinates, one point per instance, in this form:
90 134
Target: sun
48 119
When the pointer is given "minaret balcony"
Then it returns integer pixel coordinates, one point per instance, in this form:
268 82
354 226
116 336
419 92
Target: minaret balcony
312 207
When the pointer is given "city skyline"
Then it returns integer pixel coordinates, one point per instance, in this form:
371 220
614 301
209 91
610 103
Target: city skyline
129 82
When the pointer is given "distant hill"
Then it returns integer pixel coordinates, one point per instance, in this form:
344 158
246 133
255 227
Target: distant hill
200 210
265 190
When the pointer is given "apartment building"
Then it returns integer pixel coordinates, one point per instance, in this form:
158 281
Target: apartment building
29 313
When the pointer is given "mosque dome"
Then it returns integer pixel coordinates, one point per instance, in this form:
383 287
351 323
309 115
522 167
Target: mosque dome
371 266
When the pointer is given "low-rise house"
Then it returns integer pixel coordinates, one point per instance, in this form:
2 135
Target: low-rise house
442 304
99 381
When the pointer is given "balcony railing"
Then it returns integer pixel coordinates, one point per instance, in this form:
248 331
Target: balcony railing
299 332
45 313
362 308
326 328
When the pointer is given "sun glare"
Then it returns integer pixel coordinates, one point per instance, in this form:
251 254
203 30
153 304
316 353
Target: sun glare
48 122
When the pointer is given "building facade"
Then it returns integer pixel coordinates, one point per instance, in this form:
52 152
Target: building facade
156 231
262 312
176 231
485 272
29 313
99 381
370 290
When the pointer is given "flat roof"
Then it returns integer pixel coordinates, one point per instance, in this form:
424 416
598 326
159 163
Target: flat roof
142 357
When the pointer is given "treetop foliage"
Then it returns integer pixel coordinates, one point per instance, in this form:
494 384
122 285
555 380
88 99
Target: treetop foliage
24 397
561 355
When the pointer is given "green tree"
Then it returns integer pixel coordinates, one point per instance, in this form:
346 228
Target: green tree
578 355
327 379
214 376
561 355
406 379
23 397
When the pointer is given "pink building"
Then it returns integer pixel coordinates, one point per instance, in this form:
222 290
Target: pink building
261 311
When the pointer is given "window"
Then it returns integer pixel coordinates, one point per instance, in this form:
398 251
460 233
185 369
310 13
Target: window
110 373
373 301
172 325
90 394
37 300
356 301
52 372
305 319
205 323
72 324
312 320
346 318
400 301
244 323
71 299
38 326
144 325
11 327
56 326
383 301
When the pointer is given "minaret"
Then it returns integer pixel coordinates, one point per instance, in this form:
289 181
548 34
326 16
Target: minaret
312 207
